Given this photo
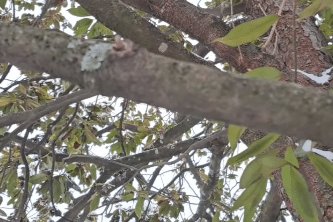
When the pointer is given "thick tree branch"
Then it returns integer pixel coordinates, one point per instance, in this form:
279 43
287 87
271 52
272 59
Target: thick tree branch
204 28
271 205
179 86
133 160
141 31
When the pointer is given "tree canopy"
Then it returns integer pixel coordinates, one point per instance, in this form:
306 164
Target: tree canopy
110 111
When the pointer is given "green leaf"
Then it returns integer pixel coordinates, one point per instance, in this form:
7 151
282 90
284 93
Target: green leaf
268 73
93 172
249 213
323 167
251 195
22 89
129 187
79 11
290 157
251 174
71 167
4 101
12 180
174 211
56 190
255 148
98 29
164 208
116 148
3 4
271 161
128 197
139 207
112 136
220 184
82 26
216 217
94 202
314 8
203 176
143 193
298 192
62 181
310 10
262 166
38 178
143 129
248 31
234 133
91 136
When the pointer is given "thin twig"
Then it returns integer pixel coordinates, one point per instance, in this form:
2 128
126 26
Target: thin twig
121 126
5 73
54 154
195 146
24 81
49 130
294 40
194 172
14 11
274 26
26 181
48 4
233 26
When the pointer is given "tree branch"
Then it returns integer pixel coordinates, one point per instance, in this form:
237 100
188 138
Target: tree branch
271 206
203 27
208 188
24 199
141 32
179 86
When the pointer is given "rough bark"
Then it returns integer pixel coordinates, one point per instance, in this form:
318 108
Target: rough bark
178 86
270 209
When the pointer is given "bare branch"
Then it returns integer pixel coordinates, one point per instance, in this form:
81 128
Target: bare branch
208 188
5 73
54 156
24 199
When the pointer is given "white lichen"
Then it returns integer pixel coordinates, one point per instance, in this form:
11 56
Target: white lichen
163 47
94 57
